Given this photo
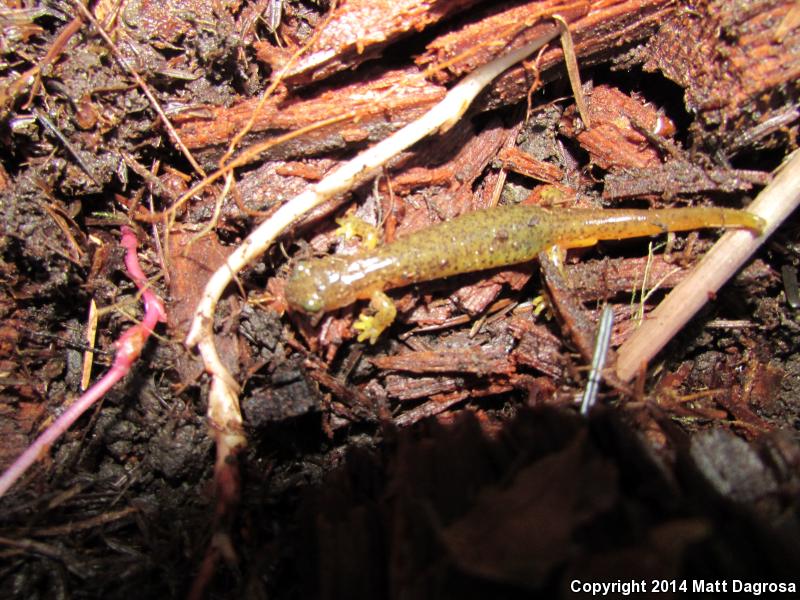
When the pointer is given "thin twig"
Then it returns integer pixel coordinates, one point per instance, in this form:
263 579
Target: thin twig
51 127
276 80
774 204
247 156
31 76
571 61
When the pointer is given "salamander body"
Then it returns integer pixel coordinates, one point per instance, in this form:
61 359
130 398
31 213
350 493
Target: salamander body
480 240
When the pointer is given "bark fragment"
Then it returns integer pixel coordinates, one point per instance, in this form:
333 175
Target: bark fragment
740 78
615 138
377 107
357 31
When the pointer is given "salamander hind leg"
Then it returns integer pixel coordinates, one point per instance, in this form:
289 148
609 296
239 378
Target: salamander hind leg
557 254
371 326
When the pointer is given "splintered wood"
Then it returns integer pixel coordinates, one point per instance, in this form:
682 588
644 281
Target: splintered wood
376 107
632 150
621 126
357 31
741 78
381 102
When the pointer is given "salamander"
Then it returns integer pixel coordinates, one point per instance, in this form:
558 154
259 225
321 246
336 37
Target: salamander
475 241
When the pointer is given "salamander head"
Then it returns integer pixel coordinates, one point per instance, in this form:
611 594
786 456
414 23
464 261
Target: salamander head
304 291
320 285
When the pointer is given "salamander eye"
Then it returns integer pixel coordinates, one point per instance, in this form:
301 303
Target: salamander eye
312 303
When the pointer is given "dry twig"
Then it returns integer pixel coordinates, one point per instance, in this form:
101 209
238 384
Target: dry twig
774 204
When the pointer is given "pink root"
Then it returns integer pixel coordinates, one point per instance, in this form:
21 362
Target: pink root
129 347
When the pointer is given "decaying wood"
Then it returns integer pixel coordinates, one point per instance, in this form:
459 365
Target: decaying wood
377 111
615 139
679 177
599 34
404 388
537 347
192 261
437 404
520 162
479 41
357 31
603 280
741 79
463 360
377 106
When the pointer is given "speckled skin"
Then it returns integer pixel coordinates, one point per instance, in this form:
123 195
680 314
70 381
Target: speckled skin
482 240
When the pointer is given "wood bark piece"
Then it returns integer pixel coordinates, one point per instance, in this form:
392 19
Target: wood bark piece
597 37
405 388
482 40
740 77
465 152
616 137
607 25
436 405
267 186
380 106
190 266
463 360
359 30
537 347
390 100
610 277
679 177
514 159
573 316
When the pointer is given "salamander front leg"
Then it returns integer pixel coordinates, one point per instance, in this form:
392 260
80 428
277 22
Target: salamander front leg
371 326
350 226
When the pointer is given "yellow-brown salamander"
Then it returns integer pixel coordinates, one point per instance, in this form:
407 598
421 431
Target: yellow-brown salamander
478 240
